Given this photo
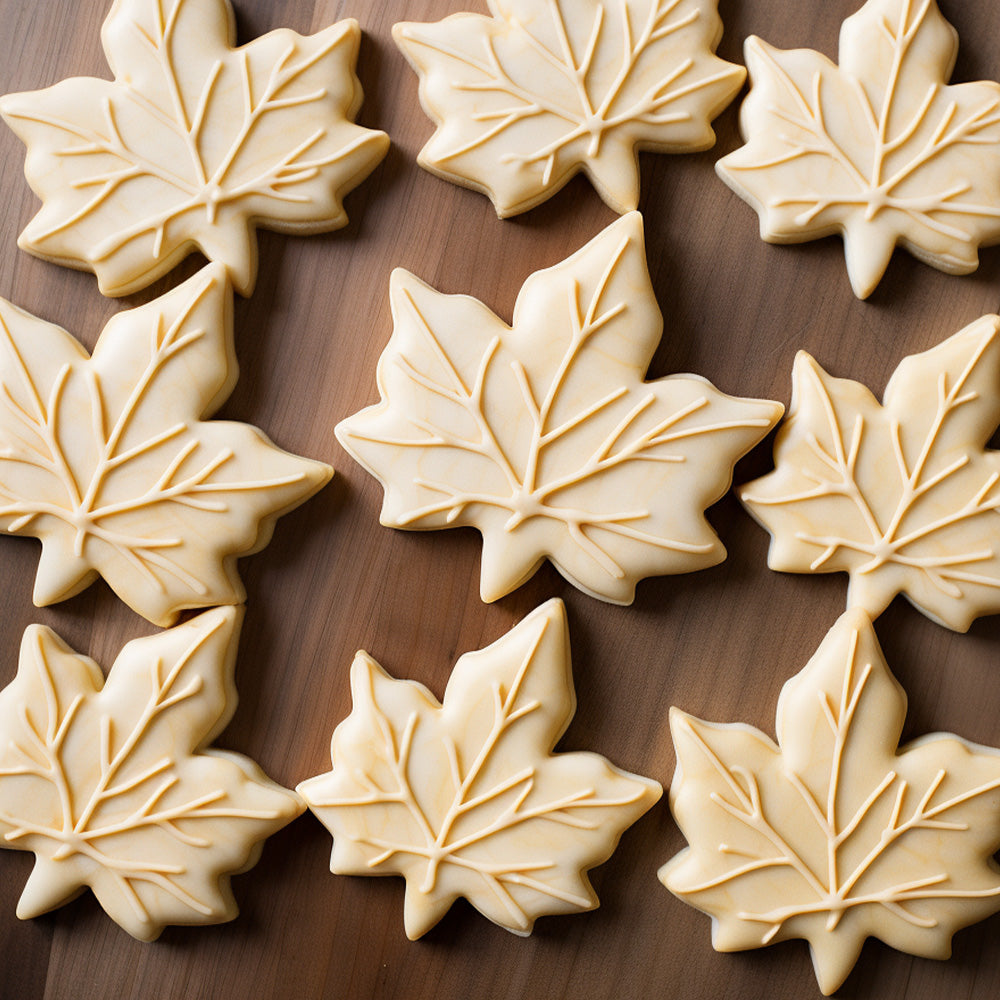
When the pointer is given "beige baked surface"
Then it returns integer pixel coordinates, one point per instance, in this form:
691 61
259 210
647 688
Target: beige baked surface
718 643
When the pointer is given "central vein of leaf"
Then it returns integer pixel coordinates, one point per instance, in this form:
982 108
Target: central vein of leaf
525 505
71 843
82 518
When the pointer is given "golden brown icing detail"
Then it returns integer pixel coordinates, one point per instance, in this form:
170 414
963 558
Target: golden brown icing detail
106 459
902 496
112 785
544 435
879 149
193 144
834 835
467 798
541 89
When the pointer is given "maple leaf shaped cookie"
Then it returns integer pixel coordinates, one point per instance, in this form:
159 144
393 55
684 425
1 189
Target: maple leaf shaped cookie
879 149
193 145
544 435
467 798
108 461
541 89
834 835
112 785
903 496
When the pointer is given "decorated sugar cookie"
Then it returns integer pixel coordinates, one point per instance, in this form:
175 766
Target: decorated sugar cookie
879 148
109 459
835 835
903 496
193 145
544 435
113 784
539 90
466 798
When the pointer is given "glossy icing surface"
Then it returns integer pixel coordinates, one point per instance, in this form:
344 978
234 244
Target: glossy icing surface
901 495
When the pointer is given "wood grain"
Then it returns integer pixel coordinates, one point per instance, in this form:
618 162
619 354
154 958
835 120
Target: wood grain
718 643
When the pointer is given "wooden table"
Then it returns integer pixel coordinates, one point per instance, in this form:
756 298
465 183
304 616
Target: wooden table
719 643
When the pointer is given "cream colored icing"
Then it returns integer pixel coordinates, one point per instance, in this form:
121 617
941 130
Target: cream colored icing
542 89
544 435
834 835
108 461
879 149
902 496
193 145
114 787
467 798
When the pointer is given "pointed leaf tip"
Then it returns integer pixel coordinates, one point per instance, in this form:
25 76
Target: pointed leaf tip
155 497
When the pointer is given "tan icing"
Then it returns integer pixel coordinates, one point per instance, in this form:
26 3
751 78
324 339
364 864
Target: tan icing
836 836
879 149
467 798
110 784
543 88
902 496
184 149
544 435
106 461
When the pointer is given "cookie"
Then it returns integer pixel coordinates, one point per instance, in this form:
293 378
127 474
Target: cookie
109 460
114 787
193 145
538 91
879 149
901 495
544 435
466 798
835 835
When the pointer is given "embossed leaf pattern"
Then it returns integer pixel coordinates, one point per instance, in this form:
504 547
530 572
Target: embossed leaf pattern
193 144
834 835
106 458
111 784
466 798
544 435
903 496
880 148
542 89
